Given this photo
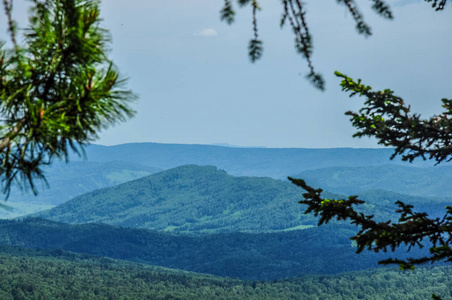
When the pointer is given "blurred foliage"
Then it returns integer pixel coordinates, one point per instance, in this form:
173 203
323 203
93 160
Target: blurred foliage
294 13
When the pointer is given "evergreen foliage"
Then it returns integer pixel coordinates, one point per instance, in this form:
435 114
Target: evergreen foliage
386 117
57 88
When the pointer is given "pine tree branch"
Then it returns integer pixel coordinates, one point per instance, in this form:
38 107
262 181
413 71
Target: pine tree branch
8 6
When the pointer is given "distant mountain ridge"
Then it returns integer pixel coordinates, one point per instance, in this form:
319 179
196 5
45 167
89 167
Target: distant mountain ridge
430 181
276 163
67 181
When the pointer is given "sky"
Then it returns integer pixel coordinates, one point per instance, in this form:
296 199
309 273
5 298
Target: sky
196 84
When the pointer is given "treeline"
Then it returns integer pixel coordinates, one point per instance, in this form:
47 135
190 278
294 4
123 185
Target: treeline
33 274
255 256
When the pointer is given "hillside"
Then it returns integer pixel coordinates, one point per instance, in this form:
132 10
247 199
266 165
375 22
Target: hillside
255 256
430 181
57 274
190 198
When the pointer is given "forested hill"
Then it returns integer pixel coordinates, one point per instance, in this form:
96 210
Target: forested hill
272 162
190 198
204 199
431 181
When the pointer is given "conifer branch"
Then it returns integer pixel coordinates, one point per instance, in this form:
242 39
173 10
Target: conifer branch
8 6
58 91
386 117
255 46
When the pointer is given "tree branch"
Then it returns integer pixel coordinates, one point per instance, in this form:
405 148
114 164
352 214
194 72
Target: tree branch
411 229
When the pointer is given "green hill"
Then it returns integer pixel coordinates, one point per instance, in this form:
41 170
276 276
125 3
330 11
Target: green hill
57 274
190 198
430 181
205 199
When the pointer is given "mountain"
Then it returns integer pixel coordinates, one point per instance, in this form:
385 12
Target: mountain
67 181
429 181
204 199
276 163
187 199
58 274
253 256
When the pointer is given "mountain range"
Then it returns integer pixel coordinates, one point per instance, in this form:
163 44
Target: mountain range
276 163
219 220
190 199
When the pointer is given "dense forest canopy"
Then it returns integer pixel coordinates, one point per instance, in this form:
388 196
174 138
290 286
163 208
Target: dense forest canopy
58 274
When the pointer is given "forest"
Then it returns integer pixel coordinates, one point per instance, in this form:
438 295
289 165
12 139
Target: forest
58 274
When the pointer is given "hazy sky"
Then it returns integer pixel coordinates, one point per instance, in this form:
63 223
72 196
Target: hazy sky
196 84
